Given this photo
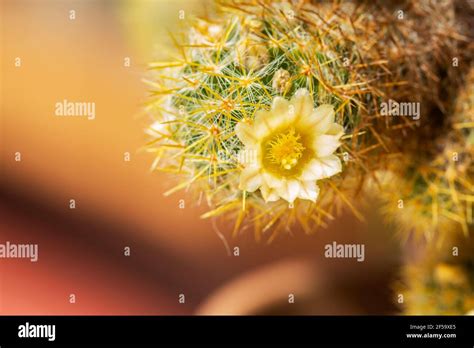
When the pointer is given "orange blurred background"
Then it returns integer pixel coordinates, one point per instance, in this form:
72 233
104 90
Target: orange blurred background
120 203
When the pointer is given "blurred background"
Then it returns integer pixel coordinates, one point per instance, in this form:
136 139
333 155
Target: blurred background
120 203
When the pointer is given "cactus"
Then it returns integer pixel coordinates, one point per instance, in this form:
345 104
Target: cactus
431 194
441 282
439 289
252 55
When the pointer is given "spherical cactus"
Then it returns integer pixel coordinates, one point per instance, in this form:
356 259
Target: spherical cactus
442 281
439 289
431 193
271 109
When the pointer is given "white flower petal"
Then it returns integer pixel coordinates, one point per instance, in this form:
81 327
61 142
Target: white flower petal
320 168
269 194
245 133
263 124
320 120
280 105
267 121
289 190
250 179
302 103
271 180
325 145
336 129
309 190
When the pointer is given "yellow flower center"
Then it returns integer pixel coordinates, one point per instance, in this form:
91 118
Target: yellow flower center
285 149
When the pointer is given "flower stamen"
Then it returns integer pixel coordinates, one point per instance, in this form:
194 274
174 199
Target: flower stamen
285 149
